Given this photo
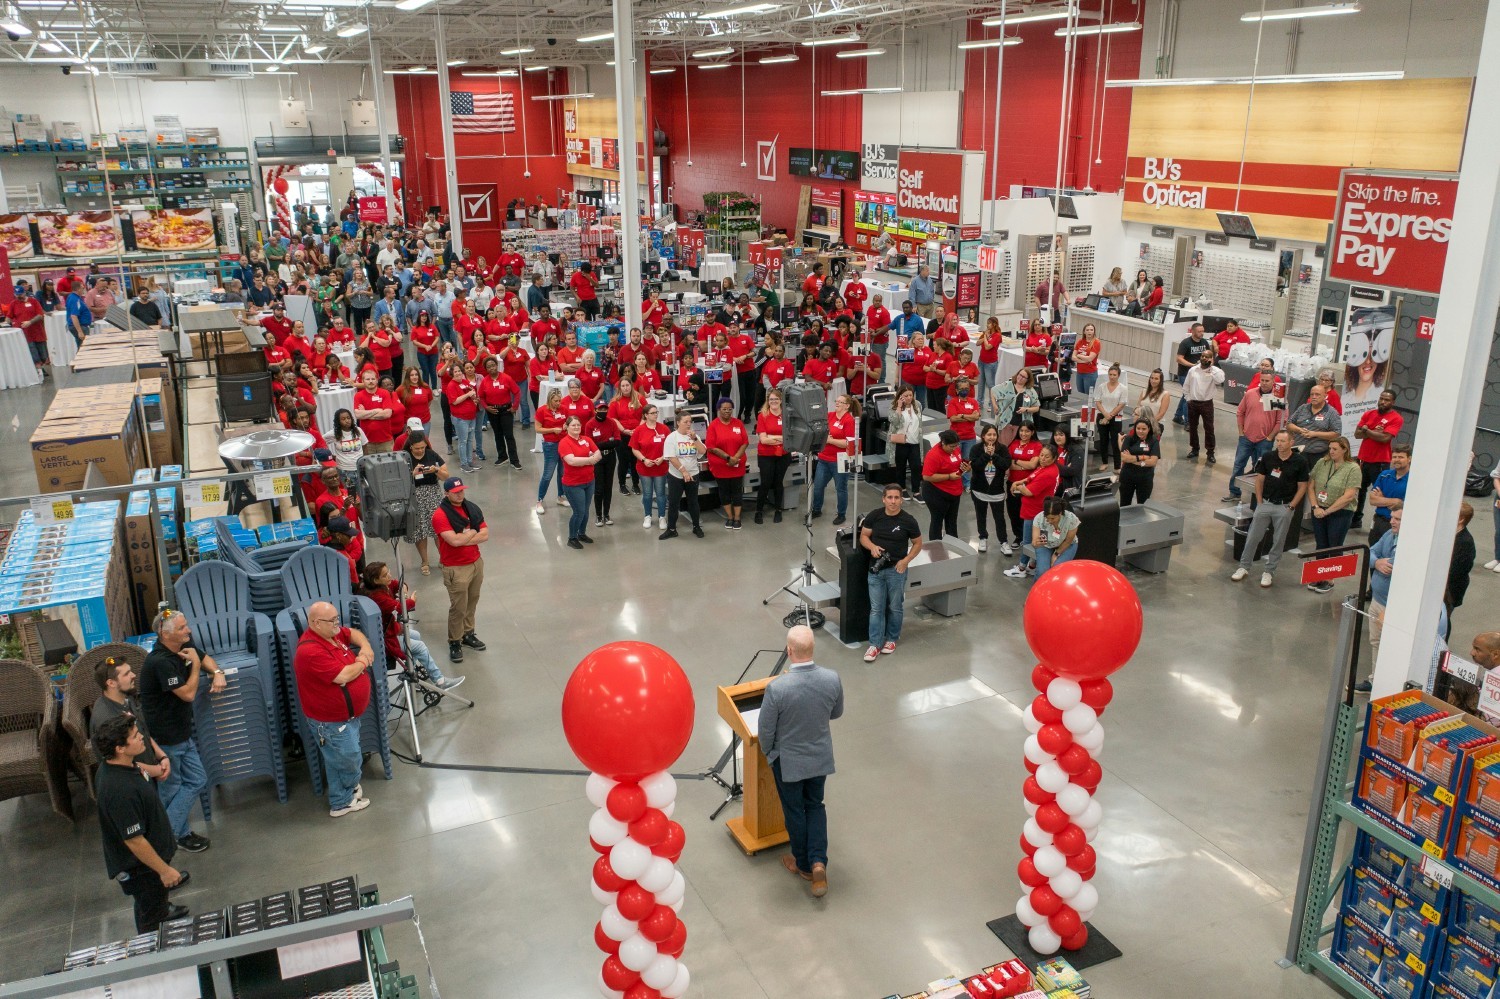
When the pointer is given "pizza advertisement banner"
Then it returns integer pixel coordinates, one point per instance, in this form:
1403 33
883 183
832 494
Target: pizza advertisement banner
1392 230
172 230
15 235
81 234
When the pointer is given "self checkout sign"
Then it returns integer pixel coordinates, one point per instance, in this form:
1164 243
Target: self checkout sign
1392 230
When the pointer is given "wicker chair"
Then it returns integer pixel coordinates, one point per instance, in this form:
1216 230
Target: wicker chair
77 752
28 727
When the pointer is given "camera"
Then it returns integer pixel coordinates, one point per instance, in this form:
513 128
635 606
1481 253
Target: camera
67 71
885 561
13 36
552 41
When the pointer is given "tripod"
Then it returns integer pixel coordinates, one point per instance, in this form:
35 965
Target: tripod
810 617
412 677
733 788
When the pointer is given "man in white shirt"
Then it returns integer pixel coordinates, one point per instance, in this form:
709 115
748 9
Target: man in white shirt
1198 388
387 255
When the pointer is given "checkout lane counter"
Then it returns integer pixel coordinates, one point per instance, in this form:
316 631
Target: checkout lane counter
1138 345
940 576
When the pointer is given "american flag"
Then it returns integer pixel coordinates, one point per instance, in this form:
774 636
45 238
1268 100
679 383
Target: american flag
482 113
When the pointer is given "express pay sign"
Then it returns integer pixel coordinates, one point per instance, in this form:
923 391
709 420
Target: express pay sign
1392 230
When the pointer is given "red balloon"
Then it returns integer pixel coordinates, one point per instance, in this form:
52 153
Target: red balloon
626 802
1041 676
1077 940
1083 860
671 842
659 924
675 942
605 876
1026 847
1035 793
1052 818
1087 875
1091 775
1074 760
1027 872
1045 901
640 990
396 184
650 828
1097 693
597 847
279 185
1054 738
603 942
1070 840
635 902
1030 767
1065 921
627 710
617 976
1043 711
1083 619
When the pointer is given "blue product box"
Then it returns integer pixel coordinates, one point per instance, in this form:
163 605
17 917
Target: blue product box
1357 951
1466 970
1476 921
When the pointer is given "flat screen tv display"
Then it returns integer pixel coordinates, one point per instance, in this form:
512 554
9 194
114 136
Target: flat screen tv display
828 164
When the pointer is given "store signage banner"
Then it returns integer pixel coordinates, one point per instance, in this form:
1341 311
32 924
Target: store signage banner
879 162
1338 567
372 210
968 290
1426 326
928 185
989 259
476 204
1393 230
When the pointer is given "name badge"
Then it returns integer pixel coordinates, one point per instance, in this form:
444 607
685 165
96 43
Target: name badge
1275 473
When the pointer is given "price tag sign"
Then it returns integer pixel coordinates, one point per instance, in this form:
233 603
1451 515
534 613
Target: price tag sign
1439 872
273 485
1489 696
201 493
1460 667
47 509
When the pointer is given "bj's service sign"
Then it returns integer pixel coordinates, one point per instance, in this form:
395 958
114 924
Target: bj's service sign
1392 230
929 186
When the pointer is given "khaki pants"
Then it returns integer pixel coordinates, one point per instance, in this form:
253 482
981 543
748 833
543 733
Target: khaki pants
1377 628
382 448
925 311
463 583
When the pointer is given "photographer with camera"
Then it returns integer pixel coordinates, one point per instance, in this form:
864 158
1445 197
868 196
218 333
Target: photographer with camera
1260 414
893 537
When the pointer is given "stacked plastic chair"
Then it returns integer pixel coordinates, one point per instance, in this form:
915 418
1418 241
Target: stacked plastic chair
238 730
314 573
262 565
362 614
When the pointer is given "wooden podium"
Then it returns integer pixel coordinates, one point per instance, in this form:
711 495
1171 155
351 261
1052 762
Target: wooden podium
760 825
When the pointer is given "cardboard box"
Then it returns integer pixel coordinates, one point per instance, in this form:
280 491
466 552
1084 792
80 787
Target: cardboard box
97 426
158 420
141 553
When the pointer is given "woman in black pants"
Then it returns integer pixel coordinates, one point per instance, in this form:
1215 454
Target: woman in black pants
904 442
448 366
943 471
1025 453
989 461
771 456
606 436
1139 455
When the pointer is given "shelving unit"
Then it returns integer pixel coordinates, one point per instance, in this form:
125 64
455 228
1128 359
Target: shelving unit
175 176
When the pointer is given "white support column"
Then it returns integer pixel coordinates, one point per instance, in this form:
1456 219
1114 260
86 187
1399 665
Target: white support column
627 73
1467 307
450 160
377 73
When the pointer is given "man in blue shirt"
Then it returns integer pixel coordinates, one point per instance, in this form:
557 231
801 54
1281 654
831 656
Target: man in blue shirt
442 302
80 319
1388 494
390 306
1382 564
907 322
923 292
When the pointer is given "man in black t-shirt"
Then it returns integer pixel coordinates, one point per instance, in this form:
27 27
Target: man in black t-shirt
893 537
1188 352
1280 485
135 831
117 680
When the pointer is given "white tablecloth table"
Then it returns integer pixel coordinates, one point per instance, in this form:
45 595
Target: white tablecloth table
346 358
61 347
891 293
716 267
1011 360
16 369
330 401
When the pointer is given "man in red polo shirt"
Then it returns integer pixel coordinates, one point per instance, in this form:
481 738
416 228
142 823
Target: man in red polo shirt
878 321
460 529
26 314
543 325
856 293
277 326
333 683
373 406
742 354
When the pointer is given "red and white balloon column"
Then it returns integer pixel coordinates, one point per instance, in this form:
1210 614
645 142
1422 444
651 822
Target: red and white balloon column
281 207
628 713
1083 621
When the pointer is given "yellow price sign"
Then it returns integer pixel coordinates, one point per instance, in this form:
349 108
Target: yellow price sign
1416 964
273 485
281 485
46 509
62 509
201 493
1430 914
1444 795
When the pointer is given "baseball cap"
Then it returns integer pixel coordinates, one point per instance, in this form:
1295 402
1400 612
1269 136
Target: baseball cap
413 423
453 483
340 525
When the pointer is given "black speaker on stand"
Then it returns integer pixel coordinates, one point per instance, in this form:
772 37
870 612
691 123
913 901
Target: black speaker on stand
385 494
805 426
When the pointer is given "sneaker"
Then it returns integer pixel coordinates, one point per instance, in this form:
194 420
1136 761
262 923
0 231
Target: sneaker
473 642
816 514
355 805
1231 498
359 790
647 521
501 461
516 465
585 539
1323 587
697 531
888 648
666 535
1006 548
1357 524
455 652
598 521
176 911
919 501
983 545
575 543
1492 564
541 508
1016 572
193 843
561 501
777 519
1363 687
839 521
608 522
1266 579
728 525
1212 460
1239 574
661 522
1497 568
906 495
760 518
871 654
449 682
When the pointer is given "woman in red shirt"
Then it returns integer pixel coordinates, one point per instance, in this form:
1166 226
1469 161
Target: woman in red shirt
962 365
625 413
550 421
462 394
500 397
590 378
384 341
936 375
777 370
646 379
605 434
398 417
1023 459
771 456
914 371
584 284
416 395
943 473
1086 363
448 366
579 455
538 369
963 414
727 444
989 363
841 438
1033 488
646 444
385 592
424 335
1038 343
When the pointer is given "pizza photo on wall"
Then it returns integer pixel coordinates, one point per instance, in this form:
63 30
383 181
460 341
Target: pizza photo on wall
83 234
15 235
172 230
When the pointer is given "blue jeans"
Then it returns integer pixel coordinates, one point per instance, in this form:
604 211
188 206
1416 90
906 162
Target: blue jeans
1025 538
480 423
525 409
580 498
181 788
1181 415
919 395
445 332
1246 452
428 364
887 605
806 818
654 487
1084 382
551 465
824 471
1046 558
417 650
988 375
464 431
338 748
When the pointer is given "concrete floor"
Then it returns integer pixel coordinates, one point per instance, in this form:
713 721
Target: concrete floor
1207 775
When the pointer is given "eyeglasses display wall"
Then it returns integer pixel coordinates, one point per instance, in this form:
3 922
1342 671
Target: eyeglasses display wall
1156 259
1235 283
1078 272
1303 292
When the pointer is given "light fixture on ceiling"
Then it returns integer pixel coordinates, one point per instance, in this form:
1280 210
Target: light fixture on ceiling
507 72
1293 13
990 43
274 68
742 9
603 36
663 71
860 54
1034 16
1216 81
775 60
536 69
416 69
458 62
711 53
352 30
831 12
561 97
862 90
1098 29
832 40
48 45
313 48
412 4
519 51
14 26
715 65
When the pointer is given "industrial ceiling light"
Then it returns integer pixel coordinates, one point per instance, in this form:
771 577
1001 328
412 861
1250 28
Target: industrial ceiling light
711 53
775 60
862 90
313 48
860 54
664 70
416 69
742 9
990 43
412 4
1033 16
48 45
1098 29
274 68
834 40
520 51
14 26
561 97
715 65
1215 81
458 62
352 30
603 36
536 69
832 12
1294 13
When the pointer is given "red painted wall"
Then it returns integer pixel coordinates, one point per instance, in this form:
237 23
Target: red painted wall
1031 104
779 104
482 159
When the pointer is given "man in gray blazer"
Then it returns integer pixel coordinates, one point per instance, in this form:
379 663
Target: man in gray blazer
795 736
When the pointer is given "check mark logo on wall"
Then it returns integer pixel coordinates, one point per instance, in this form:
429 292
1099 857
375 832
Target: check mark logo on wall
765 159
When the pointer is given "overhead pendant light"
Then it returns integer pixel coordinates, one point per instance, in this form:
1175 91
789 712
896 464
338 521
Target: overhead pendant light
536 69
1030 18
860 54
507 72
711 53
664 70
416 69
313 48
458 62
351 30
14 26
273 68
833 40
48 45
862 90
776 60
1240 81
742 9
716 65
603 36
1294 13
561 97
1098 29
514 52
831 12
990 43
412 4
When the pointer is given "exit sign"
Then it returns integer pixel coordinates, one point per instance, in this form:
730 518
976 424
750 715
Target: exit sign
1320 570
988 259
